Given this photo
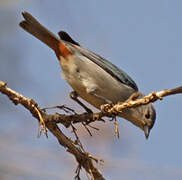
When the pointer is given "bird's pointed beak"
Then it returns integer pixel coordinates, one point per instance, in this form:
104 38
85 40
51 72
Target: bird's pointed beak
146 131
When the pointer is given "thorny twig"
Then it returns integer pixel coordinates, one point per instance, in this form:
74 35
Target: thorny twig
77 141
116 129
87 129
50 121
133 102
81 157
63 107
77 177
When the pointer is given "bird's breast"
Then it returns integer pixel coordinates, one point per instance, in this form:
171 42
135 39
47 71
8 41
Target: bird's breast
91 82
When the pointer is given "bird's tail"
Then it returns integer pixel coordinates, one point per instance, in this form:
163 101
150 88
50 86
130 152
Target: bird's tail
32 26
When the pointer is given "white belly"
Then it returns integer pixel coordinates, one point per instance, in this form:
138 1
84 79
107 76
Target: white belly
91 82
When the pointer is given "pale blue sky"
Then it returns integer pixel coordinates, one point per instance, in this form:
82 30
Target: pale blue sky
144 38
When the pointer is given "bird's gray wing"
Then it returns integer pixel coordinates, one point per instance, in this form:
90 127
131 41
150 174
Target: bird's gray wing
110 68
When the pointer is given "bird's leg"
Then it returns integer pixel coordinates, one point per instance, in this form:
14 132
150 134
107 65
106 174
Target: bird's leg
74 96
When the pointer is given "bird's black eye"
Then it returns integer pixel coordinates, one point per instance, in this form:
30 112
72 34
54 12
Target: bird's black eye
147 115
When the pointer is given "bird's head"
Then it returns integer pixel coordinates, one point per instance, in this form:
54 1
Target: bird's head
148 119
142 116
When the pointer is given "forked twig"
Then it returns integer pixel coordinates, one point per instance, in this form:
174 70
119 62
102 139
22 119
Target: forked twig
50 121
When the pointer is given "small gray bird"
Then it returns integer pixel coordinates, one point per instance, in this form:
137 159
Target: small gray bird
92 77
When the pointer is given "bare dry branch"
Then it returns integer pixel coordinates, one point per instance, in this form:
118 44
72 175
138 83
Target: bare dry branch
50 121
82 158
133 102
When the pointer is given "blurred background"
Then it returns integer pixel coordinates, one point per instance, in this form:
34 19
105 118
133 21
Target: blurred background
141 37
